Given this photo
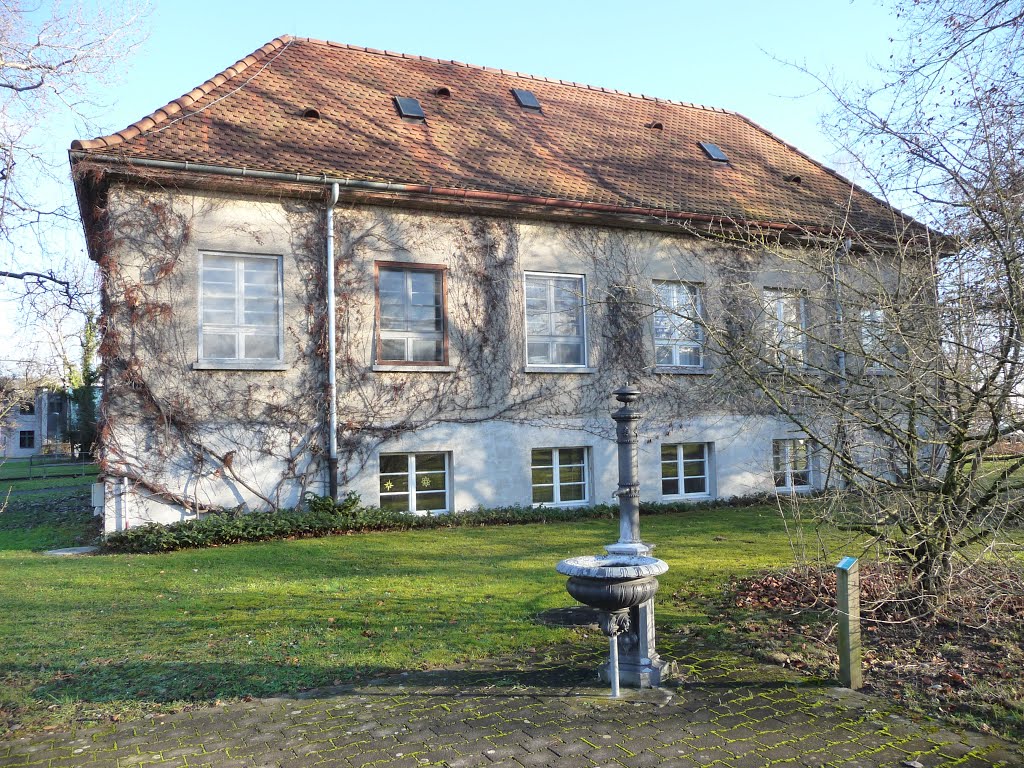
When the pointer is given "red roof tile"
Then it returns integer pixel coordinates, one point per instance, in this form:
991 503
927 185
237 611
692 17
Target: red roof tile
589 145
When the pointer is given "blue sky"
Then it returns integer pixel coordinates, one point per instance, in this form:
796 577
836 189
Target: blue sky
735 54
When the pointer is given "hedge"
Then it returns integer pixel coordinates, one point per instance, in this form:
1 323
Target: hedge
322 517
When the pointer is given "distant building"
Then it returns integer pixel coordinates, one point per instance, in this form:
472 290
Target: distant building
36 422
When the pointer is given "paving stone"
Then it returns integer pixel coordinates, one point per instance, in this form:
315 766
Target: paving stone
746 717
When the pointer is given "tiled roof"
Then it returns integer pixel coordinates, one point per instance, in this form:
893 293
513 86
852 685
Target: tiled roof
589 145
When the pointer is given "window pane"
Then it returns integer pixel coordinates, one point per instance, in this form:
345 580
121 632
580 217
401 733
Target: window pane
398 483
431 502
541 457
572 493
542 476
430 462
392 281
693 469
571 474
695 485
670 487
261 347
219 345
425 350
801 478
392 349
570 456
543 494
395 503
569 354
430 481
693 451
394 462
538 353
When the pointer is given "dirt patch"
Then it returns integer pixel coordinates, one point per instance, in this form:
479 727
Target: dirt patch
969 668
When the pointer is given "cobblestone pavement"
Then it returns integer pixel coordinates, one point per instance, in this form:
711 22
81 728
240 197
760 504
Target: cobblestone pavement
543 711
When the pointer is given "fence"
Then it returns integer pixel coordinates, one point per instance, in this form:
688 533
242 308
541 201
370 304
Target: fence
41 467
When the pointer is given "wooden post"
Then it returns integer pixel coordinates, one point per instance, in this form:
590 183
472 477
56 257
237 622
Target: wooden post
848 601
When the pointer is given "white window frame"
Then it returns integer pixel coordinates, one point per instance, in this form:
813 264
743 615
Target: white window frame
439 273
678 347
556 482
412 484
787 445
680 476
550 278
239 327
774 300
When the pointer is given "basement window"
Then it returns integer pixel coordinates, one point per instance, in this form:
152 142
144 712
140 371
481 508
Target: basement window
713 151
526 99
409 109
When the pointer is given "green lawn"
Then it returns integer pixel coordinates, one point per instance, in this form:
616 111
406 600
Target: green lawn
56 468
119 635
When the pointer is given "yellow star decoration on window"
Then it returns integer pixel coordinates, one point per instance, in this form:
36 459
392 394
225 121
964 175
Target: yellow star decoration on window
425 482
388 485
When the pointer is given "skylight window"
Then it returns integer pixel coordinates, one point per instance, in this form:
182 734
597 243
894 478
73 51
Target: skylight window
713 151
409 109
526 99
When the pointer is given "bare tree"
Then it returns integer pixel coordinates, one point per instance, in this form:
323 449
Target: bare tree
52 56
895 356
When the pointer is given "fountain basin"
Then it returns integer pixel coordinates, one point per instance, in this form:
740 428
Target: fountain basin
612 582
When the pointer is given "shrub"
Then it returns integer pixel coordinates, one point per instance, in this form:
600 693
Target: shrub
323 516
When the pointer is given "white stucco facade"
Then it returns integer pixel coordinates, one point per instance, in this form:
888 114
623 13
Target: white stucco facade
184 435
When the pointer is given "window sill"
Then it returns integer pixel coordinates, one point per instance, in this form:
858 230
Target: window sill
879 371
238 365
559 369
563 505
686 497
685 370
412 368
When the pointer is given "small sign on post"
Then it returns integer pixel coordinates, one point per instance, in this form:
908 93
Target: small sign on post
848 601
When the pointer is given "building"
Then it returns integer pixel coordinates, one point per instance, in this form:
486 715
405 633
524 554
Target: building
504 251
33 421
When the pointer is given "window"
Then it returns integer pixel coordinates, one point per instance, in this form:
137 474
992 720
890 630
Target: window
414 482
409 109
27 408
555 330
713 151
27 439
410 305
240 308
678 332
684 470
786 325
559 475
791 463
526 99
872 338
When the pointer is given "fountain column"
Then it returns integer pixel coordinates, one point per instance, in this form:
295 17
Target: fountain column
639 663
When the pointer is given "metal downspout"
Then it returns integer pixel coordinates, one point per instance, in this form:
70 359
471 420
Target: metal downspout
332 376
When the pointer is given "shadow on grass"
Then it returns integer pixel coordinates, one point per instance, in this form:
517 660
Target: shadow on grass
556 671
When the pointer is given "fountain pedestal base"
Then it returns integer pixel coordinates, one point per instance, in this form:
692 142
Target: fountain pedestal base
640 666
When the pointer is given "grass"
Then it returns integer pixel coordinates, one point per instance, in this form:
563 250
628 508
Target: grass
116 636
53 468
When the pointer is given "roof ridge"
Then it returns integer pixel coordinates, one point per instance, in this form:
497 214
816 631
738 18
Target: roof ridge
173 108
514 73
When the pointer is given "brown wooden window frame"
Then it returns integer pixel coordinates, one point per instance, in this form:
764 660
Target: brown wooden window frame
410 266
